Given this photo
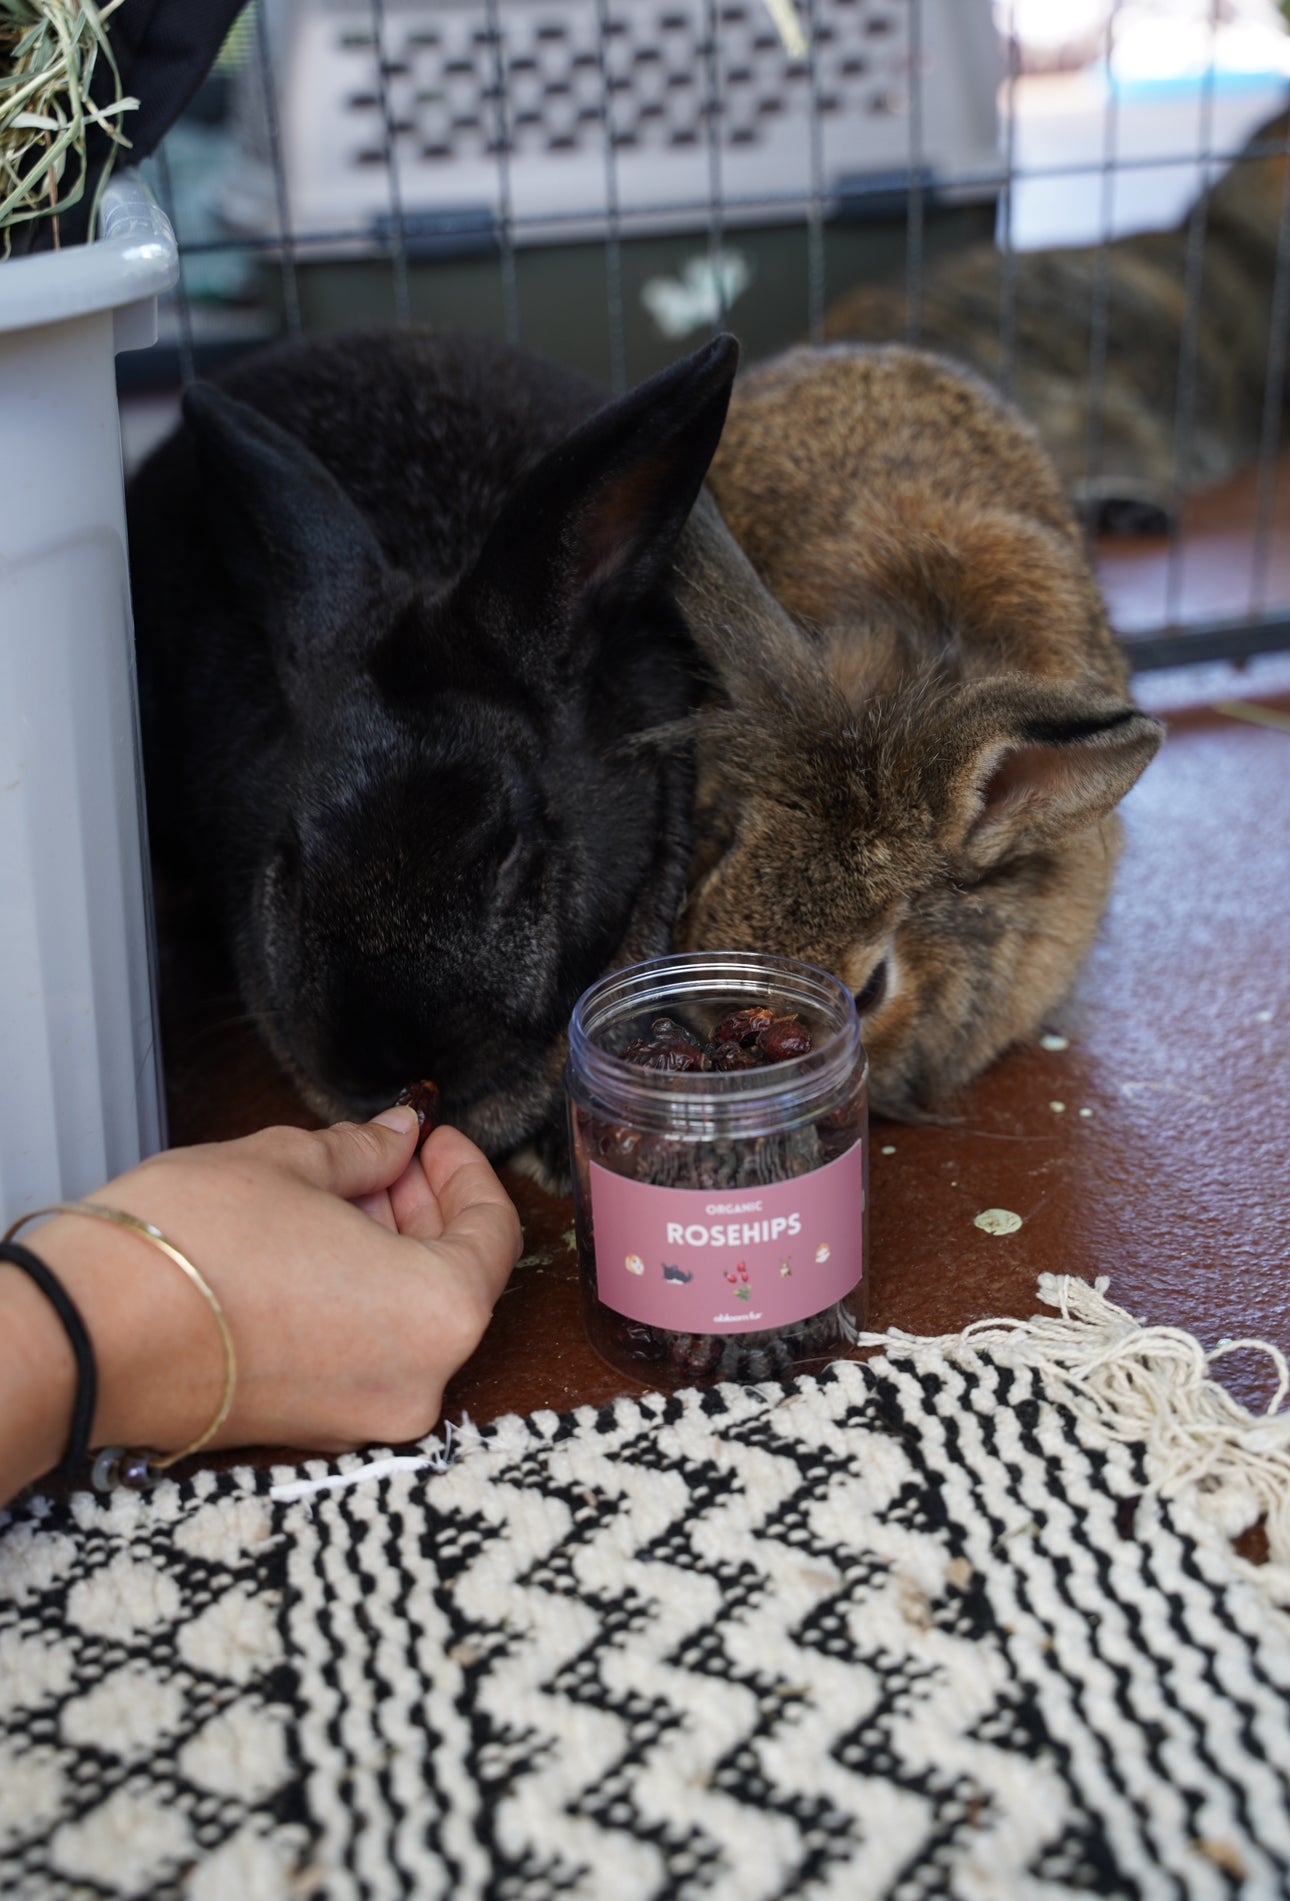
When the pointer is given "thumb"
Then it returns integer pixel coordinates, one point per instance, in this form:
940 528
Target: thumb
360 1158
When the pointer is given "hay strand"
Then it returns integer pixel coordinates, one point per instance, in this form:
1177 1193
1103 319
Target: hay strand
49 52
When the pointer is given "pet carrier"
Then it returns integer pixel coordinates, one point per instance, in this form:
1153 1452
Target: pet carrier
540 119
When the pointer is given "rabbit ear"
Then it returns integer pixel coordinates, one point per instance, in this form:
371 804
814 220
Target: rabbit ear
1035 764
752 643
592 527
296 548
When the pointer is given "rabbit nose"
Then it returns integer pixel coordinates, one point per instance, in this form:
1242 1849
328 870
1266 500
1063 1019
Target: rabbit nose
356 1053
373 1047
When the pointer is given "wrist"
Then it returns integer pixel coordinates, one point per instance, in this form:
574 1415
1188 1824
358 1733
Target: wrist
39 1390
159 1362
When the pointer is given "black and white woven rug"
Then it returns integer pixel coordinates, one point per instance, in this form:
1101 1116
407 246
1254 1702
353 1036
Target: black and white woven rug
960 1622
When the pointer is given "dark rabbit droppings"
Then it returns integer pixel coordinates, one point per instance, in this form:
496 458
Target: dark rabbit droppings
422 1096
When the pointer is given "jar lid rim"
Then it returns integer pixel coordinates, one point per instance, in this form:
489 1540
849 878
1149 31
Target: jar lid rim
804 1080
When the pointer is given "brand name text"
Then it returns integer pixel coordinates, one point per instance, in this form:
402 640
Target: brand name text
731 1234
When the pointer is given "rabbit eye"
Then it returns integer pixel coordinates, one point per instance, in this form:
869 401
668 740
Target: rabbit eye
873 990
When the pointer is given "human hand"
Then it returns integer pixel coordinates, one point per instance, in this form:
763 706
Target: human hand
356 1278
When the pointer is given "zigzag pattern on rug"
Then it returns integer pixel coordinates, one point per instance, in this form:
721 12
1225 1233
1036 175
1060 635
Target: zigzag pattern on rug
924 1629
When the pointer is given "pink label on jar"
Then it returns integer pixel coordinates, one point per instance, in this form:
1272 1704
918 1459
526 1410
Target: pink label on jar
702 1260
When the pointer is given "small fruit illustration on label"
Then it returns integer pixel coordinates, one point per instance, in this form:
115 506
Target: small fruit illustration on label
634 1264
738 1278
786 1269
822 1253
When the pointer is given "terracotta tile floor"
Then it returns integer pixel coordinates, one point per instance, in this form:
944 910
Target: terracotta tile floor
1168 1167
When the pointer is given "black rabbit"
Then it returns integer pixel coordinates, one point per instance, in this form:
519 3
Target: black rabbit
402 613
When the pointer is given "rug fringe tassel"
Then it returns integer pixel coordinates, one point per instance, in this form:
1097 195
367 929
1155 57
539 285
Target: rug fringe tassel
440 1451
1151 1386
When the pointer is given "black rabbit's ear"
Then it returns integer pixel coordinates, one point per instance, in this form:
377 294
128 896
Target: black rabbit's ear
295 547
593 526
1026 766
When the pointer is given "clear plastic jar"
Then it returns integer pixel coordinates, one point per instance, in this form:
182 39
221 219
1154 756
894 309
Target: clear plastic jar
722 1219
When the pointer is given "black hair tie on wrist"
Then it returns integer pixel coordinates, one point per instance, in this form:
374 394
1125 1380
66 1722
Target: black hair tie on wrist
87 1378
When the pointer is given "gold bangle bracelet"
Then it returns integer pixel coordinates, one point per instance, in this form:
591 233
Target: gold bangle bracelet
138 1469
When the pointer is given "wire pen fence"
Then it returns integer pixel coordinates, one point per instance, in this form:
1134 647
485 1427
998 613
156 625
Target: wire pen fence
516 145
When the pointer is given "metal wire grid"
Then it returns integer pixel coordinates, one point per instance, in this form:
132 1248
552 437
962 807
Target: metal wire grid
1263 629
654 52
398 244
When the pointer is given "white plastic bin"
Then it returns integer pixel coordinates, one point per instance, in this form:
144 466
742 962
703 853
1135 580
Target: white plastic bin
80 1085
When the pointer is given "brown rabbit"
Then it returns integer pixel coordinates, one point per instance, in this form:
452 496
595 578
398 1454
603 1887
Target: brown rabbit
1130 485
909 777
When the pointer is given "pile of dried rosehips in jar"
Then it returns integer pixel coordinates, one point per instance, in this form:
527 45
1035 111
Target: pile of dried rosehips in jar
746 1039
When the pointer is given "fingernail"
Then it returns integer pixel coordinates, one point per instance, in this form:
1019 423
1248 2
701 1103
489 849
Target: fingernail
400 1117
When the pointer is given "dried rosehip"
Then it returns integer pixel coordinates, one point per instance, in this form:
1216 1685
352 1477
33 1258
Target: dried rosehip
731 1056
674 1055
424 1098
682 1055
784 1039
668 1030
744 1026
617 1143
695 1354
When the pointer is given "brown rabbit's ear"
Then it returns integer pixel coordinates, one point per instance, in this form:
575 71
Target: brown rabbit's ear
751 642
1026 766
